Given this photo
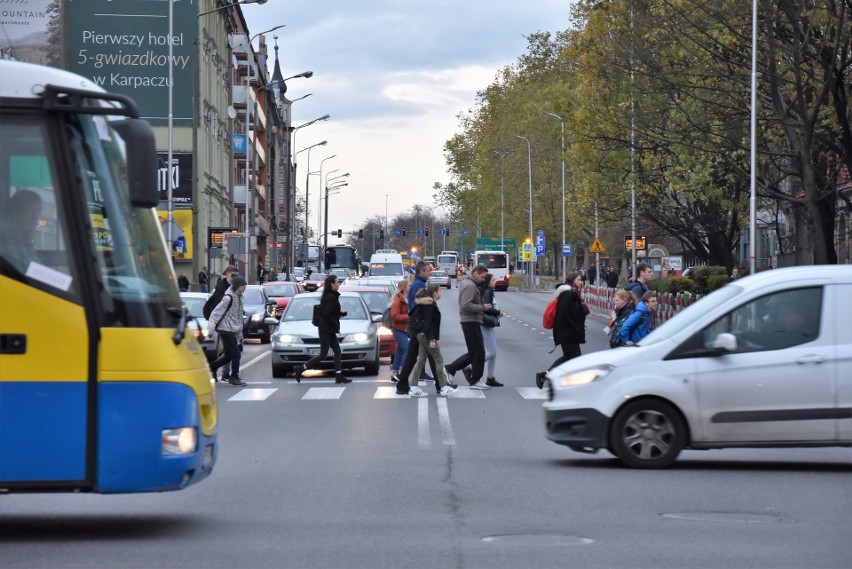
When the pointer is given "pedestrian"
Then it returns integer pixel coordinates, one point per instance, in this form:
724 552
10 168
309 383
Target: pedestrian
212 301
569 327
612 278
329 326
639 286
490 321
459 275
470 316
204 280
591 274
261 272
735 274
428 340
183 282
403 387
18 230
227 322
637 326
624 304
399 326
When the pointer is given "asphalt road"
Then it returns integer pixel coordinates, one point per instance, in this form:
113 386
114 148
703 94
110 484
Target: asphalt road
316 475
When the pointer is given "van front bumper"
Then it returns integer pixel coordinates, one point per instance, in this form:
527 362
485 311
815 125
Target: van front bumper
581 428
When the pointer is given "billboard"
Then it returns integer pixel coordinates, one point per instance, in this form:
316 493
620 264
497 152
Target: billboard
181 175
25 37
124 48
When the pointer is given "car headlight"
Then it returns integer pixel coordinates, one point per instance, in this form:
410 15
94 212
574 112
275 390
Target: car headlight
357 337
583 376
382 331
285 339
258 317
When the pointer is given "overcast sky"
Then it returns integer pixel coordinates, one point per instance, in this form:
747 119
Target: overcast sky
393 75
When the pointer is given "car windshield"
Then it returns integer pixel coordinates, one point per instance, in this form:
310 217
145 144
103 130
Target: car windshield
440 274
252 296
280 290
194 306
298 272
376 301
302 308
687 318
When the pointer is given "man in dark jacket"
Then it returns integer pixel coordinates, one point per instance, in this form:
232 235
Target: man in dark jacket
217 295
421 270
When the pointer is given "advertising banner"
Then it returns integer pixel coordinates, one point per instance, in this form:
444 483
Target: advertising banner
181 176
181 232
25 31
124 48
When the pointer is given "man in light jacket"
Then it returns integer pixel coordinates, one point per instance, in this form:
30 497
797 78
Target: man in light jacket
470 316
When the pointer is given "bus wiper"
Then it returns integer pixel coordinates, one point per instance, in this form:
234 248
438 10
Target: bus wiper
180 312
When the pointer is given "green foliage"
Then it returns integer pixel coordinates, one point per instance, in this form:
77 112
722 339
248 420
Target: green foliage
716 282
676 285
701 275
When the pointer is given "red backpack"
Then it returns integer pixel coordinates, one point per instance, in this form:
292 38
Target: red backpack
549 317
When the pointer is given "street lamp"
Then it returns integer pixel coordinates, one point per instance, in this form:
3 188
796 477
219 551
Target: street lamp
501 155
319 200
562 122
278 27
529 161
328 190
307 185
231 5
292 144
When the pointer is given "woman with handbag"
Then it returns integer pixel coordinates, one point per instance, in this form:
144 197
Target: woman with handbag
490 321
328 326
399 326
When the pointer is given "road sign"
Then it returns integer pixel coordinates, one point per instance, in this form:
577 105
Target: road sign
640 242
566 249
464 232
597 247
527 252
539 250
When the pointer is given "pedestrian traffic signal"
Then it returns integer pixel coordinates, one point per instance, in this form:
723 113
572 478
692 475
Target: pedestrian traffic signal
360 234
447 232
426 232
404 231
381 234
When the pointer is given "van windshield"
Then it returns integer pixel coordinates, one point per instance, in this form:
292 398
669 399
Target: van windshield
386 270
687 317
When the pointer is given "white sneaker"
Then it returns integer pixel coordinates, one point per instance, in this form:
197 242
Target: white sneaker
415 391
447 390
481 386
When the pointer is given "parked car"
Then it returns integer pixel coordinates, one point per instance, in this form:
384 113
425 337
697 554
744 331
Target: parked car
377 299
296 273
296 340
281 293
258 314
194 303
761 362
440 278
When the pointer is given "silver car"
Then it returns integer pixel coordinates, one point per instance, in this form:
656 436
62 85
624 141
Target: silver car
296 340
194 302
440 278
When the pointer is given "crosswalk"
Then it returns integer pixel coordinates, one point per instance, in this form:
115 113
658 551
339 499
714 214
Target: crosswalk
254 392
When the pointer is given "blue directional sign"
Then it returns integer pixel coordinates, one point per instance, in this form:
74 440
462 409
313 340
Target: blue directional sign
420 232
539 250
239 142
442 232
566 249
398 232
464 232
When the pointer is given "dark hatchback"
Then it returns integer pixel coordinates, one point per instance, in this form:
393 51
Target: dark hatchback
258 314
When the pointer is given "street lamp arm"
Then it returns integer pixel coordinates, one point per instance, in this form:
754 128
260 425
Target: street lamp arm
278 27
226 6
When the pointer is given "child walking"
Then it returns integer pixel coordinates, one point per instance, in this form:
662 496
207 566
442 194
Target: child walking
429 338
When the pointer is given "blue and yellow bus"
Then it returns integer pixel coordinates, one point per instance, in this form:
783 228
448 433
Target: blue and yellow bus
101 387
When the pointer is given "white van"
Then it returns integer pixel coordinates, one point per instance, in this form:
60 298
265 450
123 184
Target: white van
764 361
386 267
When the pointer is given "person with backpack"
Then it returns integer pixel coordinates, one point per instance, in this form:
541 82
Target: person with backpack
639 286
569 326
428 338
328 326
203 280
624 305
227 321
636 326
213 300
399 326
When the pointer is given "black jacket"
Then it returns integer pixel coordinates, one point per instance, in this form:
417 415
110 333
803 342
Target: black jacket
570 325
330 313
487 294
431 315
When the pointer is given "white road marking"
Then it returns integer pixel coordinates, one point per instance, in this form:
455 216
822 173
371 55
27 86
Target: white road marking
468 393
532 392
423 438
254 361
324 393
385 392
252 394
444 421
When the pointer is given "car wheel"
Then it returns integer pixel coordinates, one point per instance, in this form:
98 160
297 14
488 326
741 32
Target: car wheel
647 434
373 367
267 336
279 370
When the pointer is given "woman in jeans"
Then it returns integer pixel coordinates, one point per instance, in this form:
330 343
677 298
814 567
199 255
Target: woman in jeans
227 320
329 326
399 327
428 338
490 320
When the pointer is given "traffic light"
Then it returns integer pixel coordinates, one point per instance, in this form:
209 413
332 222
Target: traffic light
301 231
447 232
340 233
426 232
382 234
404 231
360 234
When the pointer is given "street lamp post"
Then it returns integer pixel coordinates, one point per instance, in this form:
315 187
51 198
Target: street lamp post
501 155
562 122
293 176
307 185
529 161
319 201
335 186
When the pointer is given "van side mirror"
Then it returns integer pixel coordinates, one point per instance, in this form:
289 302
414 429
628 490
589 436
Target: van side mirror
725 343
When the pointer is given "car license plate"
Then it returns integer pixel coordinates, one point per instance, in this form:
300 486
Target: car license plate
313 351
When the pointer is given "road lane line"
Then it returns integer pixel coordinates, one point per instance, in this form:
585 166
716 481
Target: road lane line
444 421
532 392
252 394
254 361
423 438
324 393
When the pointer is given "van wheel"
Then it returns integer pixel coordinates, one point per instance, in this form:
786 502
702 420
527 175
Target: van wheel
647 434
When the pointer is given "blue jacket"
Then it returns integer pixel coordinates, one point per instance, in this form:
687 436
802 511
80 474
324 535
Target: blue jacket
637 324
415 286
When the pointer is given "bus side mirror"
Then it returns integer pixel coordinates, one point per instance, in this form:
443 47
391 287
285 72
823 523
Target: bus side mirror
141 161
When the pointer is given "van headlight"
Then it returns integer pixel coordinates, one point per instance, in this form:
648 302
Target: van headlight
582 377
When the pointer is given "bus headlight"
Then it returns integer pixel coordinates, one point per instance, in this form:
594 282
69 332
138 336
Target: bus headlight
183 440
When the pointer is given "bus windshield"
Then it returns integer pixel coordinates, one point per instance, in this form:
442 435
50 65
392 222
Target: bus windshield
492 260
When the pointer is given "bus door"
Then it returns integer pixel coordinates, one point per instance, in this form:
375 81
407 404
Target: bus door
46 358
